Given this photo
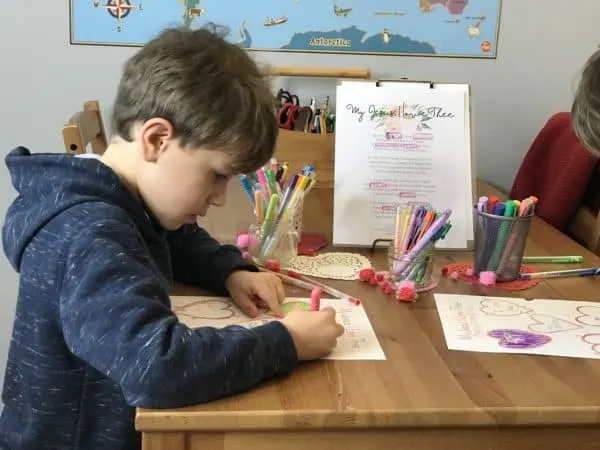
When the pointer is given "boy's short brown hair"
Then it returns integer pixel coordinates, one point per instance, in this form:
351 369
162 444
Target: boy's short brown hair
211 91
585 110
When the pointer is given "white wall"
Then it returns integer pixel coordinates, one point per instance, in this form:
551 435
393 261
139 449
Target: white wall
43 80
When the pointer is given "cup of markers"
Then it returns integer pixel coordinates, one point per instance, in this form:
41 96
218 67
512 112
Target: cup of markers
410 256
277 204
501 230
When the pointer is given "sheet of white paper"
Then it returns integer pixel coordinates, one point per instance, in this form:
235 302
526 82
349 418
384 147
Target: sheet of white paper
358 342
400 144
515 325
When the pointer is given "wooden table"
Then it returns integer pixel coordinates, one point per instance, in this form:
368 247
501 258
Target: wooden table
422 397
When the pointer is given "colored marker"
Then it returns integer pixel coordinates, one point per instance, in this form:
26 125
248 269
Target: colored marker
505 227
247 187
429 235
269 215
315 299
553 259
591 272
301 281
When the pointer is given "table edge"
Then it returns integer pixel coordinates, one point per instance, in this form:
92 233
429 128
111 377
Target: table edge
177 420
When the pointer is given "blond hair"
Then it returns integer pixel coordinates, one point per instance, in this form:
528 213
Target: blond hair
585 110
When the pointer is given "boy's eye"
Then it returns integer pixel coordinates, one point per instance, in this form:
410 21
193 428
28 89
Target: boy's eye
221 177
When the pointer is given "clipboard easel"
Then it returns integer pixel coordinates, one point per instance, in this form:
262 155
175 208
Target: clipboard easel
468 121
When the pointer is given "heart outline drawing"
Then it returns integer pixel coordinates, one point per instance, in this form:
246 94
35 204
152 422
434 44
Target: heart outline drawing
583 314
207 309
545 323
593 340
502 308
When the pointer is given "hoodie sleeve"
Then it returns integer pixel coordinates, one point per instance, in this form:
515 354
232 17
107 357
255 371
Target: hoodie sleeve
114 316
200 260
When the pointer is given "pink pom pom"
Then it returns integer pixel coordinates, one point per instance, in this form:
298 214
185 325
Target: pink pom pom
366 274
455 275
487 278
470 272
242 241
407 291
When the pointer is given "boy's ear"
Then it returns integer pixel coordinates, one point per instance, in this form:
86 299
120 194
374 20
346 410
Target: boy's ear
154 136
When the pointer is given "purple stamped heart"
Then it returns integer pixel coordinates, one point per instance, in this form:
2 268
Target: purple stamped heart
519 339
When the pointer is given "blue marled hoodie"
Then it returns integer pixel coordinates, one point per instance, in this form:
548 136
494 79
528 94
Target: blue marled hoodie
94 336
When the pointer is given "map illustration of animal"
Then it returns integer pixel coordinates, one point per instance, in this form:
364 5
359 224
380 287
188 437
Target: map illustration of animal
498 324
464 28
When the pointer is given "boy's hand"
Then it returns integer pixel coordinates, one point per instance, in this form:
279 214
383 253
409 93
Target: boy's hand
315 333
251 290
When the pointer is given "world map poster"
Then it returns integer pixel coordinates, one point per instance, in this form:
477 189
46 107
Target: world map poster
454 28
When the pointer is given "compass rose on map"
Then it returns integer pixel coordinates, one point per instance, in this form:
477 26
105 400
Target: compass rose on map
119 9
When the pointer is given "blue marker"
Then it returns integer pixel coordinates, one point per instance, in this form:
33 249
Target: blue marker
247 187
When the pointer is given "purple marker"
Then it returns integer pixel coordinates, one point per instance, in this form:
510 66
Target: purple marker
428 236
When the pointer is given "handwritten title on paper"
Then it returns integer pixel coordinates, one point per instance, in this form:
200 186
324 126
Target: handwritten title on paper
402 111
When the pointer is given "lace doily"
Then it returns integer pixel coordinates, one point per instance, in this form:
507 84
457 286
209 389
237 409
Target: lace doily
335 265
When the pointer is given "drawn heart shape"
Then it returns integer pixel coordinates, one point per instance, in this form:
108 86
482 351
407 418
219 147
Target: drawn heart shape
593 339
208 309
545 323
499 307
590 316
518 339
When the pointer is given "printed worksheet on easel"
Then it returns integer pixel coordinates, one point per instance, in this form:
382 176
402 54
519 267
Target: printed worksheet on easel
399 144
359 341
515 325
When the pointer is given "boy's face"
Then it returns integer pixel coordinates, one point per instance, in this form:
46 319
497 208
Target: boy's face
178 184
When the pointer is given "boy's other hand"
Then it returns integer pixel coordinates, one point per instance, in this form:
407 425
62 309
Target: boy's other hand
315 333
252 290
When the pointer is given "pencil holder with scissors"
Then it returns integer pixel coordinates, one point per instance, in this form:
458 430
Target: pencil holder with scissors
500 243
292 116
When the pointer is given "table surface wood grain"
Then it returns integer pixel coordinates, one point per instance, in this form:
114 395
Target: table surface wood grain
421 383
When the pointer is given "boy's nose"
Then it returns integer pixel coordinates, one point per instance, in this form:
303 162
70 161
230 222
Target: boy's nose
219 197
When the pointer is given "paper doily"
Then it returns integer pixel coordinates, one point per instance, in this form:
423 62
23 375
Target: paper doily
335 265
517 285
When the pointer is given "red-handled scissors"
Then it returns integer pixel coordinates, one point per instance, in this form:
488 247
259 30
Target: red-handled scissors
288 115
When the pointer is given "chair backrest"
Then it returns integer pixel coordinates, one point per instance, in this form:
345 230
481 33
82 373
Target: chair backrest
557 170
85 127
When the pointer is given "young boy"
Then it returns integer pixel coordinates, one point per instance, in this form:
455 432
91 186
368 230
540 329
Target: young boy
586 105
98 243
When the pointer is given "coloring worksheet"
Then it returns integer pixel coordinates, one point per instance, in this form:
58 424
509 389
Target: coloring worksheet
515 325
401 144
358 342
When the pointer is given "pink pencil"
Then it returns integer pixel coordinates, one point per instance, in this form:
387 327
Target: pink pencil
301 281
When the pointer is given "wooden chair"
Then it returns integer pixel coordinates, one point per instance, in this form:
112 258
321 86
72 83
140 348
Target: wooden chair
85 127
